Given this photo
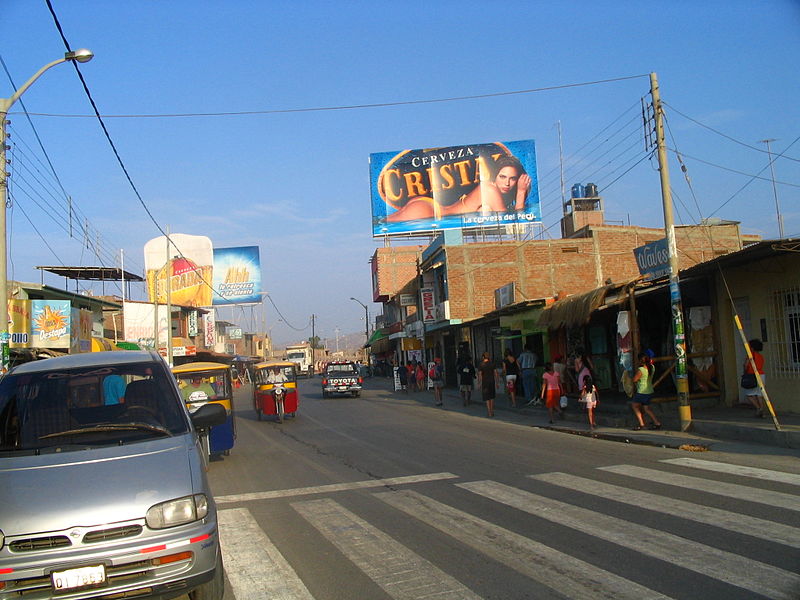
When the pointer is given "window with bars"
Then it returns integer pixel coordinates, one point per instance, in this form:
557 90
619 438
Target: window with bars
785 319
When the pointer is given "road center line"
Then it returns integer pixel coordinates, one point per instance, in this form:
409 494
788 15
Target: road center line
333 487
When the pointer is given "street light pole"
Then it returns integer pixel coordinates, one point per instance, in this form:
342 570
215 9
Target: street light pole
366 327
81 56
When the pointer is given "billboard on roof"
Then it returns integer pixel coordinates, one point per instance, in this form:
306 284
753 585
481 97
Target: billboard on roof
455 187
237 275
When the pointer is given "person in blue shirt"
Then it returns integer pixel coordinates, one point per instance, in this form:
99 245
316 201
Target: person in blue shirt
113 390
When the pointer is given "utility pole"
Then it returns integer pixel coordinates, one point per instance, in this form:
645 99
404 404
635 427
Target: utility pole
681 371
774 189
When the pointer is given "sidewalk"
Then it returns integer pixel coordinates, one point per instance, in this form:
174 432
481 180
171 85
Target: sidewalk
615 420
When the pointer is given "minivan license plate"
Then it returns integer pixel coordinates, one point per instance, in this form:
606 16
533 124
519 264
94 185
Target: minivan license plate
79 578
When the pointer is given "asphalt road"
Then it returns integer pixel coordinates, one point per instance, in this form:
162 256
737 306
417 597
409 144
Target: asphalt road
385 496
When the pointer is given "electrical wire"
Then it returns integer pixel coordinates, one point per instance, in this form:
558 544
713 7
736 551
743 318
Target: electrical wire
348 106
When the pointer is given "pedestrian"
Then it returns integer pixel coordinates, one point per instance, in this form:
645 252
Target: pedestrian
487 381
644 392
420 376
402 375
527 365
466 376
511 372
436 375
411 375
589 398
551 391
754 394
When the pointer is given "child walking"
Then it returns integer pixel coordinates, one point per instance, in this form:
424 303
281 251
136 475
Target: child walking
589 397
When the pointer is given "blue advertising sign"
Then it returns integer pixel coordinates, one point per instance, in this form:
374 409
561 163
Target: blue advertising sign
457 187
237 275
653 259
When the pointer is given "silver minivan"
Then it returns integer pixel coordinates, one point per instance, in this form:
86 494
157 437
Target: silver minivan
103 489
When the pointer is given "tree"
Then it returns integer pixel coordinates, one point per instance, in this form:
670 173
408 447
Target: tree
315 342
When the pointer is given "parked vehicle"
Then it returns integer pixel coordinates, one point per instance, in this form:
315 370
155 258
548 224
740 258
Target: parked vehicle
103 489
303 356
275 389
204 382
341 377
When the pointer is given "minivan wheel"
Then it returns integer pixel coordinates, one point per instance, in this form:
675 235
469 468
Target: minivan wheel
214 589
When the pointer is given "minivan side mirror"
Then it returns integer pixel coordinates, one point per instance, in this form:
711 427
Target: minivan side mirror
209 415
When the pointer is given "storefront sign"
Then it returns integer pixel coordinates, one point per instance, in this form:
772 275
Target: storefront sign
653 259
407 300
427 298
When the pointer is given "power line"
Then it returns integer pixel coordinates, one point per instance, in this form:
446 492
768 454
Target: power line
347 106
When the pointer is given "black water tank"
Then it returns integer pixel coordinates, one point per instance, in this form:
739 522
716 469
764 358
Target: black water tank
591 190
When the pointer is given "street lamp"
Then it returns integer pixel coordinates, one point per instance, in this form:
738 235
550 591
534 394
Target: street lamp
366 325
82 55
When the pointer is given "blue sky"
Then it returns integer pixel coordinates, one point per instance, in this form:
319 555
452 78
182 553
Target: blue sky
296 183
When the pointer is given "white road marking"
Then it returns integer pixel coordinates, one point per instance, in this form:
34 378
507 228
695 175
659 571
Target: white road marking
695 463
752 526
401 573
253 565
333 487
720 488
731 568
561 572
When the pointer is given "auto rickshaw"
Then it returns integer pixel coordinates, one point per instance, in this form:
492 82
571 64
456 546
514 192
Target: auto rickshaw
204 382
275 389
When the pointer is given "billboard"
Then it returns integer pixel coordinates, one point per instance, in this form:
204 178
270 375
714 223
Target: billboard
187 265
237 275
140 323
51 323
473 185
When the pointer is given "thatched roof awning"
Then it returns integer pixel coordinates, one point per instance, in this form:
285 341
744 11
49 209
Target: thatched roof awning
574 310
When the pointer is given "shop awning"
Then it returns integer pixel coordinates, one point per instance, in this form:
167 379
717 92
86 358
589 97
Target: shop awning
102 345
574 310
378 334
128 346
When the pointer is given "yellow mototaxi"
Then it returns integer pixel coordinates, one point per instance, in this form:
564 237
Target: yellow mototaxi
204 382
275 389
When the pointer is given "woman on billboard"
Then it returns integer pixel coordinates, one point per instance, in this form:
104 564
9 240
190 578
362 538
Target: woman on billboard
506 191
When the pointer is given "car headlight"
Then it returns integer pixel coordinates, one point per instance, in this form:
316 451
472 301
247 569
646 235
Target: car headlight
177 512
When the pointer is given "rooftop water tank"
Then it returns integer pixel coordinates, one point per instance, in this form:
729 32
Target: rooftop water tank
591 191
577 191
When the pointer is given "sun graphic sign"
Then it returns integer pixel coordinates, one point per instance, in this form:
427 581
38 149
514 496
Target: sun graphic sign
50 323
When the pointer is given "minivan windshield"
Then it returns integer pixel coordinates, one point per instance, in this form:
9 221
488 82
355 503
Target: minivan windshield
74 409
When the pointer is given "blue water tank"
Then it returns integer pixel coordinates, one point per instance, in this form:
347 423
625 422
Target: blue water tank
577 190
591 191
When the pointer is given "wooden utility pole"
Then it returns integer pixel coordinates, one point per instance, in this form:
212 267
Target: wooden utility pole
681 370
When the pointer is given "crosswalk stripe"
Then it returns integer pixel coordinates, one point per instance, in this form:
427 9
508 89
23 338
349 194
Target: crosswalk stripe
333 487
752 575
720 488
744 471
400 572
255 568
752 526
567 575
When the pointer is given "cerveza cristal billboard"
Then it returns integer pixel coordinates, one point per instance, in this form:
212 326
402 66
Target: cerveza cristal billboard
453 187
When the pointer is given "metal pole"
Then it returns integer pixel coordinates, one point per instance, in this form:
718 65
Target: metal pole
5 106
169 304
681 371
774 189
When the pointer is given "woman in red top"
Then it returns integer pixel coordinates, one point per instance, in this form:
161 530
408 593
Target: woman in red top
754 394
551 390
